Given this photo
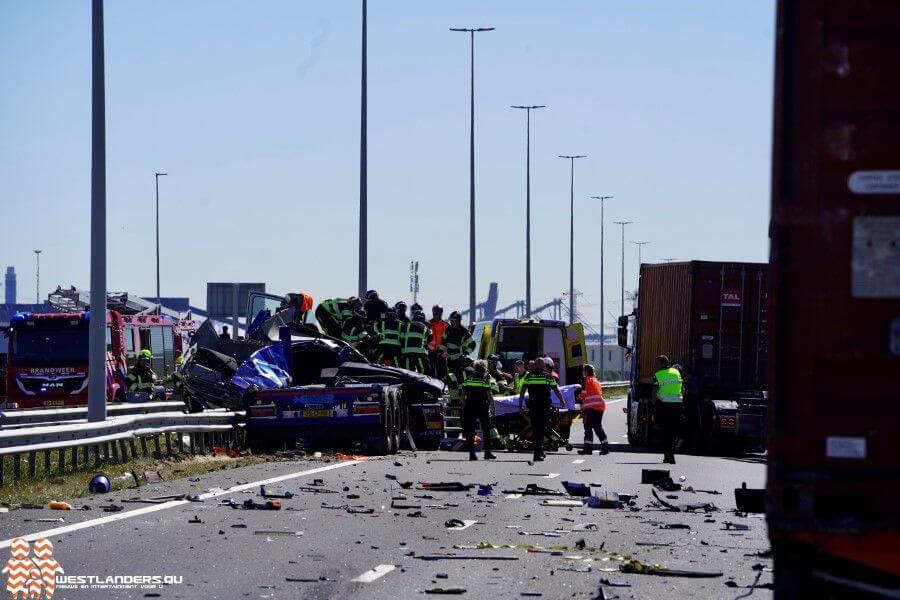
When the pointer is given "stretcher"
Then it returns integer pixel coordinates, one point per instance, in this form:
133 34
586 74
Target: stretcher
514 428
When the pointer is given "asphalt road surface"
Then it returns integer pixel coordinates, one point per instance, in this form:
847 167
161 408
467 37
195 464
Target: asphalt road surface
316 548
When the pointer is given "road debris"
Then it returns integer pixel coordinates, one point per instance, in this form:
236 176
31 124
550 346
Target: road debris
267 494
465 557
574 488
533 489
455 591
610 583
196 519
563 503
277 532
750 500
59 505
635 566
445 486
729 525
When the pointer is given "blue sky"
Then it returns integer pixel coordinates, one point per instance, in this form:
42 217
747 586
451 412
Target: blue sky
253 110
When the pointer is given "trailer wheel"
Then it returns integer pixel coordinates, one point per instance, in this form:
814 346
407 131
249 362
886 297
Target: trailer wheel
383 445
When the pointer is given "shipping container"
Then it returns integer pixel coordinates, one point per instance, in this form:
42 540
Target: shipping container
833 497
709 318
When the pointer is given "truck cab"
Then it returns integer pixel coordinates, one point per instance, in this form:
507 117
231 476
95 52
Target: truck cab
526 339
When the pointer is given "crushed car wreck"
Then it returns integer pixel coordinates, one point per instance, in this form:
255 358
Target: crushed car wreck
297 384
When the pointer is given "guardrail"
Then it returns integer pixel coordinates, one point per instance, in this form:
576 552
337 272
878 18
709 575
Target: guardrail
115 436
19 417
612 385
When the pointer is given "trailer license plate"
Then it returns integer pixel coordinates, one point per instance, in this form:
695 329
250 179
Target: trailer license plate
54 403
316 413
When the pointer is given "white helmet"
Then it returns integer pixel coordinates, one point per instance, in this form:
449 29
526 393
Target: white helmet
549 362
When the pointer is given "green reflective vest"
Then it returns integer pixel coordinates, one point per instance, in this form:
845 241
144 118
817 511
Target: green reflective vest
518 381
539 379
474 382
389 334
458 342
668 382
415 339
339 308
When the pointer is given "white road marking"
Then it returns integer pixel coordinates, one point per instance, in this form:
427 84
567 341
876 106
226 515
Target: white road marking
373 574
57 531
466 524
552 475
577 461
514 496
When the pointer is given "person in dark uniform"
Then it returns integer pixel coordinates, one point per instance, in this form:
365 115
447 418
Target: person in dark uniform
502 379
353 329
415 336
389 340
400 312
141 378
376 308
538 385
477 401
457 343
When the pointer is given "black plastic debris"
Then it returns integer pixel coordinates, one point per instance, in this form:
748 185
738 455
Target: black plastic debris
750 500
445 486
651 476
533 489
574 488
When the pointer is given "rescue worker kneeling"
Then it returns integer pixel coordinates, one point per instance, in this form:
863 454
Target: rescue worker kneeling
477 403
141 378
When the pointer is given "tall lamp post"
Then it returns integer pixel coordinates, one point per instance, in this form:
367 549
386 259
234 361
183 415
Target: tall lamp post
528 110
571 159
97 324
363 167
640 246
472 32
157 175
602 200
37 277
622 308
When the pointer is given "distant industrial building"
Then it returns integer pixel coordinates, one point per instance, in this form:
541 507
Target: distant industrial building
611 358
10 285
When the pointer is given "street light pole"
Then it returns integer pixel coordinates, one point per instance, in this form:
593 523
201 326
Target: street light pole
528 110
571 159
472 32
37 277
622 308
602 200
158 298
97 322
640 246
363 167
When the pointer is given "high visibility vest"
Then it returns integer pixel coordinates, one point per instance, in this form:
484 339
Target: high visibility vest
592 396
339 308
518 380
353 331
536 379
388 332
457 343
474 382
415 339
669 385
438 327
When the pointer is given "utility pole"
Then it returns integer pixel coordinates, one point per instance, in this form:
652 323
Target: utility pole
528 110
97 322
37 277
622 308
640 246
571 159
363 168
414 280
157 175
602 200
472 32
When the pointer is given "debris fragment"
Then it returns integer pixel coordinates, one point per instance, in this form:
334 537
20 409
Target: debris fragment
445 486
563 503
634 566
615 583
99 484
59 505
455 591
196 519
574 488
750 500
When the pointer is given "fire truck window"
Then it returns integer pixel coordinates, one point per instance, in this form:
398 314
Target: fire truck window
129 340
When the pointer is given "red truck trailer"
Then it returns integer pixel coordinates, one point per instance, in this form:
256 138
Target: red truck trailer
709 318
833 496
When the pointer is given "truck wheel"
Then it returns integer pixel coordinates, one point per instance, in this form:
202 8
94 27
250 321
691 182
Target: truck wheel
383 445
392 421
793 569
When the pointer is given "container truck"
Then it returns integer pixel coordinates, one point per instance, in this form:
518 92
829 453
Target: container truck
834 370
709 318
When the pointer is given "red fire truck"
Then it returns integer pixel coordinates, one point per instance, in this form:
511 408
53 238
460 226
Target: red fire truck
48 354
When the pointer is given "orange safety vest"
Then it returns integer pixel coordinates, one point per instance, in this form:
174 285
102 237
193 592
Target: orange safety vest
592 396
438 327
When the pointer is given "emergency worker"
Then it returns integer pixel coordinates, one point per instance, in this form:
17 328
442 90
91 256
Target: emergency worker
519 376
538 385
667 396
502 379
376 308
331 314
477 402
592 408
415 337
388 340
141 378
400 311
438 327
353 329
457 343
